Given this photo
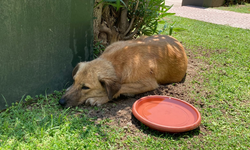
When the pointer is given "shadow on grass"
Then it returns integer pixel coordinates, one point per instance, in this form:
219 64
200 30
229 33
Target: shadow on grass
42 120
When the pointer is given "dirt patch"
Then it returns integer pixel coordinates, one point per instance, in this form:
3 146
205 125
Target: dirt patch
120 110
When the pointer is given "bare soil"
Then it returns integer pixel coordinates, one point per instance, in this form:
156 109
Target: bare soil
120 110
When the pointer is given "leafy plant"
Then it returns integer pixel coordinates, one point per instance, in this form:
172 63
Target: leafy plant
115 3
149 15
98 48
231 2
236 8
128 19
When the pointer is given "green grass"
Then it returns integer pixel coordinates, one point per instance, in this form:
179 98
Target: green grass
229 79
45 125
237 8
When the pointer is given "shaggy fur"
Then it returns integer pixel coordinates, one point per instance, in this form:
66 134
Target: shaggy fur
128 68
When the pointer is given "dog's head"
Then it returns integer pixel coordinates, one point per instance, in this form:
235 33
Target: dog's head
95 82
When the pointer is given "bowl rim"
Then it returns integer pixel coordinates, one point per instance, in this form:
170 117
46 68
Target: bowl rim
162 127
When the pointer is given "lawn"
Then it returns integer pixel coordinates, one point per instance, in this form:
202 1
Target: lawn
237 8
220 89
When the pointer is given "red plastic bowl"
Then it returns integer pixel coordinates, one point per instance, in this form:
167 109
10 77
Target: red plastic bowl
166 114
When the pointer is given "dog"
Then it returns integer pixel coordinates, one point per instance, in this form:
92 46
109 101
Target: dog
127 68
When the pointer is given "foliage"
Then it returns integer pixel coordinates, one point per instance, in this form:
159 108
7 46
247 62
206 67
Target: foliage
98 48
232 2
149 15
237 8
116 3
167 29
128 19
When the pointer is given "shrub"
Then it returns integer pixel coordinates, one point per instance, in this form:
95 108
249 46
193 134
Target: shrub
128 19
232 2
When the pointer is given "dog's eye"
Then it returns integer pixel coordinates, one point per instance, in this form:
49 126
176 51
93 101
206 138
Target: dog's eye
85 87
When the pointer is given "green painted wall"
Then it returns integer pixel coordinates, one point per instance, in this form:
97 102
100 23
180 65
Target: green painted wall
40 43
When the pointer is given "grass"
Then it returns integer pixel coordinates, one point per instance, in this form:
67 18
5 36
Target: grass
229 79
44 125
237 8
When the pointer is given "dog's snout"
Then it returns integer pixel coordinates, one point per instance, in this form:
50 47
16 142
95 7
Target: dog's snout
62 102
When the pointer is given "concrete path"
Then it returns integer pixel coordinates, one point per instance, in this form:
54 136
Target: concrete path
234 19
176 3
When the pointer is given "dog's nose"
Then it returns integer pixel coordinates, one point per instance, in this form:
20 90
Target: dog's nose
62 102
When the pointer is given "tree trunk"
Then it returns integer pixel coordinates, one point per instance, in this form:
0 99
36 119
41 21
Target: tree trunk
123 23
111 25
98 18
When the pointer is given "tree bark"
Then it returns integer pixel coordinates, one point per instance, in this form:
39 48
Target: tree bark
111 25
98 18
123 23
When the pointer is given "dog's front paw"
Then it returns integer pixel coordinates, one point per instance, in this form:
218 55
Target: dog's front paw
96 101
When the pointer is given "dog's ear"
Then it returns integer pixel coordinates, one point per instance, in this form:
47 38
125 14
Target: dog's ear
75 70
111 86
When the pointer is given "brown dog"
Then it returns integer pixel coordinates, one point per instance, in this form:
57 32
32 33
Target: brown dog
128 68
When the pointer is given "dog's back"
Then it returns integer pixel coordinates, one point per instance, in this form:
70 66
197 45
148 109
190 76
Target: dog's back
160 57
127 67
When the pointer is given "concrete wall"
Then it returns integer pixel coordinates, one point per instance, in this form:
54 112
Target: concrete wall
41 41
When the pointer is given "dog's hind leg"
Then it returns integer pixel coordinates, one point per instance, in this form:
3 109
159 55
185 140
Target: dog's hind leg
137 87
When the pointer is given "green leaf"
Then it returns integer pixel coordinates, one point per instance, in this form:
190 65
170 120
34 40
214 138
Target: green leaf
179 29
123 3
166 14
171 30
162 22
147 32
117 2
117 6
98 3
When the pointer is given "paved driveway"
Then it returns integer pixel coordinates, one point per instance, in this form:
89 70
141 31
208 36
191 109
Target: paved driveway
234 19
